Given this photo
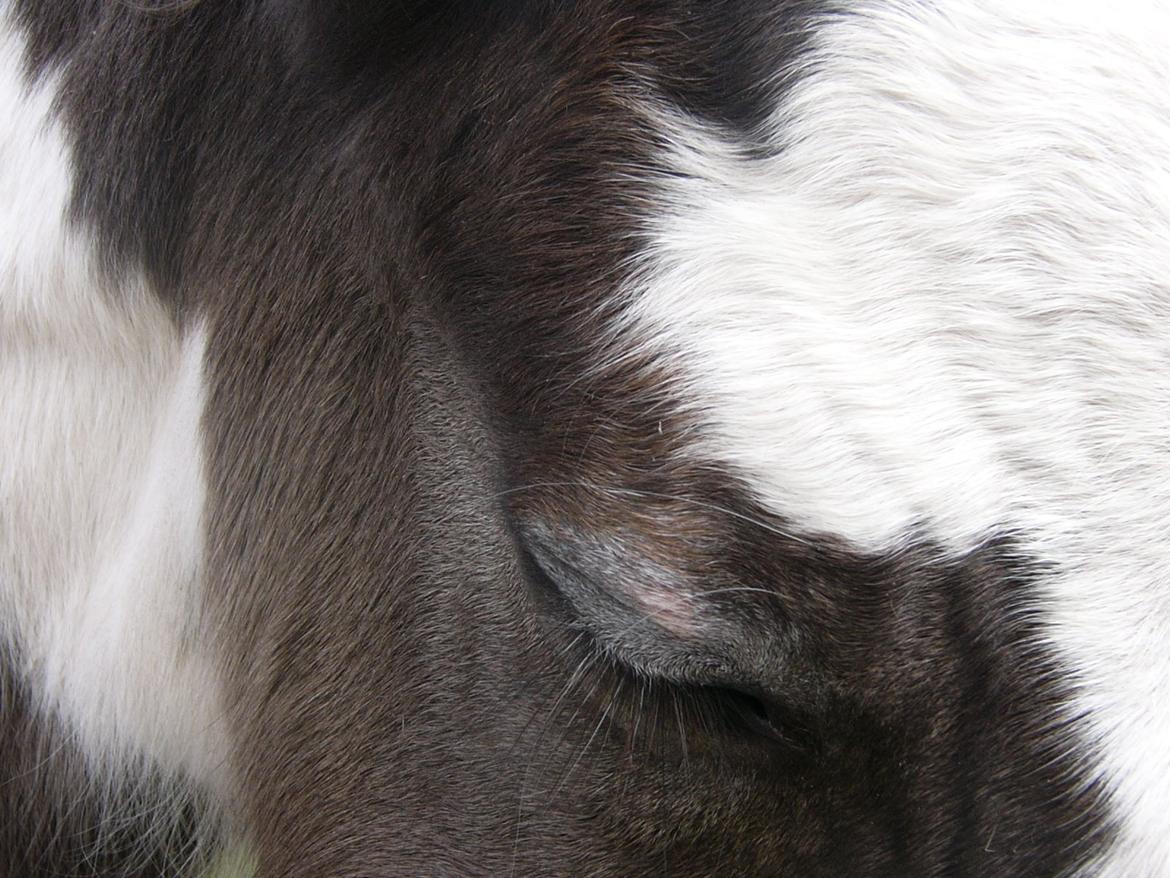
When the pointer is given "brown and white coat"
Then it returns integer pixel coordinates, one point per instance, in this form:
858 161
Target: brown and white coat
581 437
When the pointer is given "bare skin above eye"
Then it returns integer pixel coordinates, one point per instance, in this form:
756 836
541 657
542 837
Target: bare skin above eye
547 438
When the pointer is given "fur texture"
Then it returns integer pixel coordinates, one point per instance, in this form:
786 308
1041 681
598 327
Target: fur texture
101 494
609 438
914 314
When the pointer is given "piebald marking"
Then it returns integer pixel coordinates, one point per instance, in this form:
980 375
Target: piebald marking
940 306
101 489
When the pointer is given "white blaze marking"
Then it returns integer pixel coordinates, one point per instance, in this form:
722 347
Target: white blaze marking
944 306
101 490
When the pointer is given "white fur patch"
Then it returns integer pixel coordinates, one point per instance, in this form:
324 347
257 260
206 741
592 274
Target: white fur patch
101 490
943 307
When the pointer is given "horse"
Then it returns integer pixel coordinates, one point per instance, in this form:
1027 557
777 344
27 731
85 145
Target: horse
585 438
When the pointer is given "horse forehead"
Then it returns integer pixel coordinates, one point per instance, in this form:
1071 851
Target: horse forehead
910 316
861 315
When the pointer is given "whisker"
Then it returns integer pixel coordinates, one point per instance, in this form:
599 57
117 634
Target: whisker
568 726
638 492
637 716
592 736
682 732
574 678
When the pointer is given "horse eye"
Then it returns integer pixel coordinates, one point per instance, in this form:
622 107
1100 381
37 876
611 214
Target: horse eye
756 716
750 710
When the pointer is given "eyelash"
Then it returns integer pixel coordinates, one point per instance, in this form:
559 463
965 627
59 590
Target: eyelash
725 710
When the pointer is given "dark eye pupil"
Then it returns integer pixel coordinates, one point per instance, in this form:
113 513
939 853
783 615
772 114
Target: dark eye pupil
753 713
758 717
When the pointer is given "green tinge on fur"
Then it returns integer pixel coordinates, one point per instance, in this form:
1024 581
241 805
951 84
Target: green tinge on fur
235 862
